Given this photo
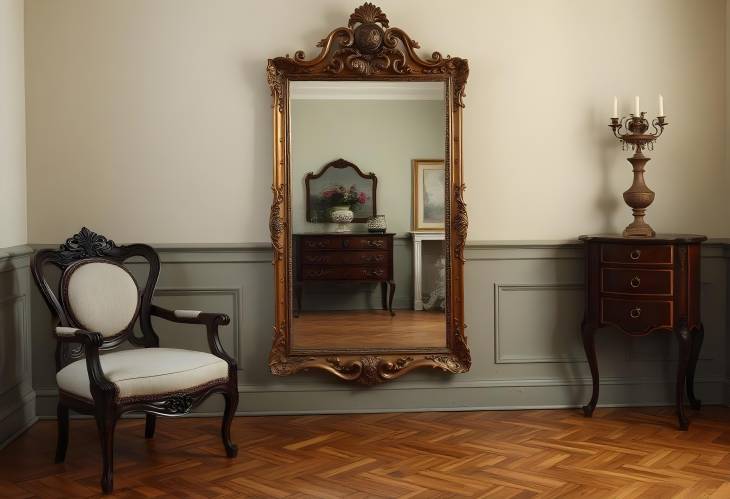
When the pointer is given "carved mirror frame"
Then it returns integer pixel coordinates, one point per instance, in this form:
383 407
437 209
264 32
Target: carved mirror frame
340 164
368 50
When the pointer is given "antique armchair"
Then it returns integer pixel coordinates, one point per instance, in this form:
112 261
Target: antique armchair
97 305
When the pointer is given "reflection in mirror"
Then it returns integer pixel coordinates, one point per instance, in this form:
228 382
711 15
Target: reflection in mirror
368 196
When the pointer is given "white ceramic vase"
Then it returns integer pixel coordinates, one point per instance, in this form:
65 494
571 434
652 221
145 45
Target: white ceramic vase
342 216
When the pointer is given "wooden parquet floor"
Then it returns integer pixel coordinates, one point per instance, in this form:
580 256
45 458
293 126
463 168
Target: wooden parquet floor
620 453
368 329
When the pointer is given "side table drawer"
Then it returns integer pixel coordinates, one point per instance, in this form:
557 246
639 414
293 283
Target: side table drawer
366 242
344 257
636 281
316 273
636 316
659 254
321 243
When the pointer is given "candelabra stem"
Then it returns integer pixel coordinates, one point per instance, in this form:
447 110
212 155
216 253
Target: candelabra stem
639 197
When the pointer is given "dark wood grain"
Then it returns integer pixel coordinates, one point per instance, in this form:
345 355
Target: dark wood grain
344 257
637 281
643 285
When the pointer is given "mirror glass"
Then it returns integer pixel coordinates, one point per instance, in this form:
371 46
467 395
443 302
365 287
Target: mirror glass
368 196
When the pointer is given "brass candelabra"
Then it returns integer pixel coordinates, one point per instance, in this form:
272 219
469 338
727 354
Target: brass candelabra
632 132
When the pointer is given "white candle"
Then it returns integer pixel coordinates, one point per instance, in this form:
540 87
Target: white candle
615 106
637 112
661 105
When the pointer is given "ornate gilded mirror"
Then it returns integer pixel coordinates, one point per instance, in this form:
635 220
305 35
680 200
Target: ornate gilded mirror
368 291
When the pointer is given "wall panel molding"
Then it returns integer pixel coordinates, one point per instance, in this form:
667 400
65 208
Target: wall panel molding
17 398
500 329
15 306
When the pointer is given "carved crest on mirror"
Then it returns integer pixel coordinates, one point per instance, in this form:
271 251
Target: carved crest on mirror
368 49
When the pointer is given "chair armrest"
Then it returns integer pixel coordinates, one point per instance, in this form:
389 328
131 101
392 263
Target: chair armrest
76 335
211 321
190 316
100 384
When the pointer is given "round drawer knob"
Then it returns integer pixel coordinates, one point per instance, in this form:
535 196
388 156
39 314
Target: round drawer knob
635 313
635 282
635 255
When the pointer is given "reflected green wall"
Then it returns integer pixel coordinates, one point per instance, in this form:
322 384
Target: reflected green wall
379 136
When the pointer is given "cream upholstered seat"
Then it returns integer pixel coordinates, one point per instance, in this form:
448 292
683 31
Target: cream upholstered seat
145 372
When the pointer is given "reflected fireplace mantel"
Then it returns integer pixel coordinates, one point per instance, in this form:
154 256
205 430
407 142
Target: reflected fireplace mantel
418 238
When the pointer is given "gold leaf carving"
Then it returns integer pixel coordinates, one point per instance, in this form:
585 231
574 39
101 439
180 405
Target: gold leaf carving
277 224
368 47
461 221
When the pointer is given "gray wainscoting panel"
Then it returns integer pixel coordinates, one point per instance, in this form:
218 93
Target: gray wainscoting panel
523 310
537 323
17 399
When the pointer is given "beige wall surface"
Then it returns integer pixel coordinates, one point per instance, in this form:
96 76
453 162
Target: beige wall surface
13 218
151 120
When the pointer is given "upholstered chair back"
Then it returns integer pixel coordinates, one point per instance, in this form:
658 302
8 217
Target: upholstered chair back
96 292
100 296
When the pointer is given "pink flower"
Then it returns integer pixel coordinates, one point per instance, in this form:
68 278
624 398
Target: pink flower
362 198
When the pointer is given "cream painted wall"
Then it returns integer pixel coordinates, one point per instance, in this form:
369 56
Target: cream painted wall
151 120
13 218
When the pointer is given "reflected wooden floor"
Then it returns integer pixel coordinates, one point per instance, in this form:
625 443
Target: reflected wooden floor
369 329
620 453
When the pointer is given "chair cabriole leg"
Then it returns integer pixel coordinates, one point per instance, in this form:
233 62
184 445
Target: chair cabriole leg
106 421
62 443
149 425
231 398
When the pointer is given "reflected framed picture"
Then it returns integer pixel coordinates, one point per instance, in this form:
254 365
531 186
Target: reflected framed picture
340 183
429 195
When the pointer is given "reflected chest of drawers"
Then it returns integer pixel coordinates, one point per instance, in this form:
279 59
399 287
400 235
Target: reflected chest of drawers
642 286
351 257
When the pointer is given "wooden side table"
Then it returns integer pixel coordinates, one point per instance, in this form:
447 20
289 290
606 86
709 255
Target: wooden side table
345 256
643 285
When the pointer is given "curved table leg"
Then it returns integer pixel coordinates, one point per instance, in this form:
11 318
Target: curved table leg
697 338
684 340
588 332
298 293
391 284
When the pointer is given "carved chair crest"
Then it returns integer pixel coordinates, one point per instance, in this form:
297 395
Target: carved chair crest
88 245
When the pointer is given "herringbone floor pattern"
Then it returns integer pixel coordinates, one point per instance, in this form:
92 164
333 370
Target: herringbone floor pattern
620 453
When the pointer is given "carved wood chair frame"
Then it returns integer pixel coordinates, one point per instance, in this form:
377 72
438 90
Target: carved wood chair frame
79 343
368 49
341 164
